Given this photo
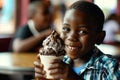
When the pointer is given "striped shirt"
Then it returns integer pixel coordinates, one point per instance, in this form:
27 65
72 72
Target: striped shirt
99 67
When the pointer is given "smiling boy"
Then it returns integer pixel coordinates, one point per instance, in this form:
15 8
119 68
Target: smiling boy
81 30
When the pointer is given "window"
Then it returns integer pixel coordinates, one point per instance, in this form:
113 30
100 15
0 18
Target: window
108 6
7 16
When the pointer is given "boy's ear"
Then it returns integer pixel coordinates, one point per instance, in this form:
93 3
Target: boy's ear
100 37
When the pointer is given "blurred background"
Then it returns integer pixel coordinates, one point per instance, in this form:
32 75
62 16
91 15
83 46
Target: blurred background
13 13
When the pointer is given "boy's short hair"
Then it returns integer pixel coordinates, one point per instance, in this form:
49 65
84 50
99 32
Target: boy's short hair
91 9
34 5
32 8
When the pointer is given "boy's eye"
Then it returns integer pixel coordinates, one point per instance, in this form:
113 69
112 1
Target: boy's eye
82 32
66 29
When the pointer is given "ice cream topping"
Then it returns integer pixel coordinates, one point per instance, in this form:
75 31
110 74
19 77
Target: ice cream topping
53 45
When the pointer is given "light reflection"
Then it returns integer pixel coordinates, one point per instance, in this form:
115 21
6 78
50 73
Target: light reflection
5 60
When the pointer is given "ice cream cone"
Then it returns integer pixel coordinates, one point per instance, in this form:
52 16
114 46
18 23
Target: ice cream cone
46 60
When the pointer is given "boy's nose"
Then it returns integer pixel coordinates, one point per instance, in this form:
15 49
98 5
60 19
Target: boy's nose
73 37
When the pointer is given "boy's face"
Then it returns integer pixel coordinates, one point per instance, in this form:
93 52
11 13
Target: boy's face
79 33
42 17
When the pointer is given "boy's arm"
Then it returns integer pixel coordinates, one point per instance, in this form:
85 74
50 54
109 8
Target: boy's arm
24 45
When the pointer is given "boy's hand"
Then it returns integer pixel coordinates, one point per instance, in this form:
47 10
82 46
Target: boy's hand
39 72
60 70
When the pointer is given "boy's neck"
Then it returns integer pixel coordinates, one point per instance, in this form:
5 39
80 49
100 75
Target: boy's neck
82 60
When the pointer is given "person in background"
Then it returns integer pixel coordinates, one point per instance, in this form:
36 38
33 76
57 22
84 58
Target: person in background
59 11
111 26
29 37
82 29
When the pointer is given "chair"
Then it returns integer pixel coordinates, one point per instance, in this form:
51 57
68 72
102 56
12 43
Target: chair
4 43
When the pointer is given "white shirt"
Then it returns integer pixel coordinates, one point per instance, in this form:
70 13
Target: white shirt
32 28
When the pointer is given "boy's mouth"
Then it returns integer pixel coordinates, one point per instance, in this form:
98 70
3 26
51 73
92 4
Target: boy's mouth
72 48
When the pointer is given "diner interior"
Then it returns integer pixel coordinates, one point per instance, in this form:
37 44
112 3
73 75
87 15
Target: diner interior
14 14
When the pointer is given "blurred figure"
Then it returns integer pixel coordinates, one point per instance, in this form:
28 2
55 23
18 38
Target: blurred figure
59 11
111 26
29 37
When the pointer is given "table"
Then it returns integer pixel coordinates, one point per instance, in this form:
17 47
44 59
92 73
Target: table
17 64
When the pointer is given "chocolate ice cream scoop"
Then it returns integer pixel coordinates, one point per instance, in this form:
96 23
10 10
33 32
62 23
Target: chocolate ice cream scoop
53 45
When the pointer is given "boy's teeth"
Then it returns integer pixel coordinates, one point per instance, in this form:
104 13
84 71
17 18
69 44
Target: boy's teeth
72 48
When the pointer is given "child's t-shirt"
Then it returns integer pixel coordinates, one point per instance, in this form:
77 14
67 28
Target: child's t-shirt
79 69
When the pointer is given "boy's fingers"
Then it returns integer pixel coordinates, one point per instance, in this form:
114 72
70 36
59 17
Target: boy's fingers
56 61
38 64
56 65
60 68
58 76
57 71
38 56
40 71
40 76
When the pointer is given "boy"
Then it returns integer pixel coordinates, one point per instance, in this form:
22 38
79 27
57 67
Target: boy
82 29
29 37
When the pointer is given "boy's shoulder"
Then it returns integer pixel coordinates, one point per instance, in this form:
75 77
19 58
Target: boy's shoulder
106 61
103 66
